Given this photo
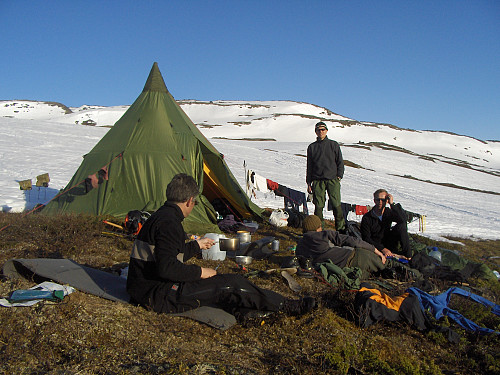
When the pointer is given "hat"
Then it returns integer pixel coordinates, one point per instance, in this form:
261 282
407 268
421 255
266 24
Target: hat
320 124
311 223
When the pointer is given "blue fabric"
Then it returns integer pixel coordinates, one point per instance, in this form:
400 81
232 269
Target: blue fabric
438 306
296 198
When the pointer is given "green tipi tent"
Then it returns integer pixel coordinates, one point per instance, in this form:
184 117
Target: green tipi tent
130 167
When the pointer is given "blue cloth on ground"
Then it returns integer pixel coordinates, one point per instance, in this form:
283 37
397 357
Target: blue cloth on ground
438 306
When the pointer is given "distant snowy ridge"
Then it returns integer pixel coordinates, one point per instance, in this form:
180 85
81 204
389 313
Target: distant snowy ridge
283 121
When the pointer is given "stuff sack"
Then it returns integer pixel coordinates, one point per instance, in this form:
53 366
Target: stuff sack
135 220
279 218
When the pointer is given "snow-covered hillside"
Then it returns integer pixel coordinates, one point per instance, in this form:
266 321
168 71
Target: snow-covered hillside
453 179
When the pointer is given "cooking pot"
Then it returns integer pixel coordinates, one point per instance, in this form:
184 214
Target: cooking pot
243 259
229 244
244 236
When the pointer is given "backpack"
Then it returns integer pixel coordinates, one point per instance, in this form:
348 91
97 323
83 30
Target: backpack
295 218
353 228
134 221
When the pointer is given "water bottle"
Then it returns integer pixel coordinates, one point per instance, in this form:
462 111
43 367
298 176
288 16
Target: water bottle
435 253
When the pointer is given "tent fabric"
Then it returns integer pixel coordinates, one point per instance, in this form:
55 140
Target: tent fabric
153 141
101 284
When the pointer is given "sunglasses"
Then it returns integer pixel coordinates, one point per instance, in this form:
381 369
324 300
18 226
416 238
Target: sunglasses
321 130
380 199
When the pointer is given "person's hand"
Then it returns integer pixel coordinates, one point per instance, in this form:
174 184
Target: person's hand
309 189
207 272
205 243
382 256
387 252
389 198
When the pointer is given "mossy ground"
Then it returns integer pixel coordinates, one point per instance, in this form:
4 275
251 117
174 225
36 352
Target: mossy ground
86 334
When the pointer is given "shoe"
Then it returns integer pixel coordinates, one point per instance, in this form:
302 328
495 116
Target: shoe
305 263
298 307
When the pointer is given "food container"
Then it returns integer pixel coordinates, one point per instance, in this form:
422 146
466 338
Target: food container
229 244
243 260
214 253
275 245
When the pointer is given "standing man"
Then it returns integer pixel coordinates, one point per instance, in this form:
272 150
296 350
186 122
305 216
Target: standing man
377 229
159 280
325 169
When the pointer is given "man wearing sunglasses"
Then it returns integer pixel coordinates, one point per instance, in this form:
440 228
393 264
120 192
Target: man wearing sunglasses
377 228
158 278
325 169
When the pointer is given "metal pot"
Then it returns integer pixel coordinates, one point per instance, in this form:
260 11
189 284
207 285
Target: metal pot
229 244
244 236
243 260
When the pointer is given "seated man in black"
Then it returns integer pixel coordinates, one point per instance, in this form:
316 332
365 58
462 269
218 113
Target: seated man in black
376 226
343 250
158 280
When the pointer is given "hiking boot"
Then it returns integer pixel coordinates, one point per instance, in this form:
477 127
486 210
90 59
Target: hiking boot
296 307
305 263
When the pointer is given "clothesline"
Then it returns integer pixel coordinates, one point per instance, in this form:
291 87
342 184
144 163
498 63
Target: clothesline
293 199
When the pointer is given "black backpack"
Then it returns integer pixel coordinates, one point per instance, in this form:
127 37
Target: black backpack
134 221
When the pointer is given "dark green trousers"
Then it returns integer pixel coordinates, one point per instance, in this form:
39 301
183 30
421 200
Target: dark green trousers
367 260
332 187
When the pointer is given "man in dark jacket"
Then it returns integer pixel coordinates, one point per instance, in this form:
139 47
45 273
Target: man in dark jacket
377 229
325 169
343 250
159 279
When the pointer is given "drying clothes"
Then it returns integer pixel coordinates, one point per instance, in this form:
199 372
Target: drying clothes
260 183
250 183
438 306
271 185
346 208
361 210
282 191
295 199
103 174
94 181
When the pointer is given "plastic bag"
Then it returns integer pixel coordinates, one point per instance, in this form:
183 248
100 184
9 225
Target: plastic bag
279 218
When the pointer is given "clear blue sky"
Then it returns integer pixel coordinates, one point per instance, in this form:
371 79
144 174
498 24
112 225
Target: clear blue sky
415 64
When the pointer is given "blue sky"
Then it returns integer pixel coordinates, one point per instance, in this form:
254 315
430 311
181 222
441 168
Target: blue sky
415 64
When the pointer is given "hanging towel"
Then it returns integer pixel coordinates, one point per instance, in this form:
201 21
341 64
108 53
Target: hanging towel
271 185
361 210
260 183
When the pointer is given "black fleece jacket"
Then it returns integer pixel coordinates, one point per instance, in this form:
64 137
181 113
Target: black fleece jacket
374 231
324 161
153 262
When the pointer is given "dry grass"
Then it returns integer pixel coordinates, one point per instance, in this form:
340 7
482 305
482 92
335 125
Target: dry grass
88 335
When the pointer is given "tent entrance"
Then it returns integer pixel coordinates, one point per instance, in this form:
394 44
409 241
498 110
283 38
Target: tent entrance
213 189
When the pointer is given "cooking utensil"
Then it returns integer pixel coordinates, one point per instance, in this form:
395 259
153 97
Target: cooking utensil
244 260
229 244
244 236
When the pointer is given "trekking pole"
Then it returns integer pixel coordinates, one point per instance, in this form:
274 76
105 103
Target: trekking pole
247 188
